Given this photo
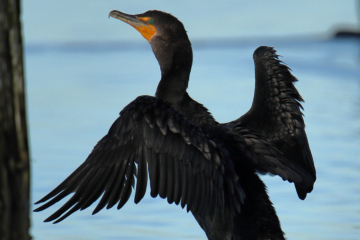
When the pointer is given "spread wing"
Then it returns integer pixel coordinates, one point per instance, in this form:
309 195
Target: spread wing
276 115
151 138
267 159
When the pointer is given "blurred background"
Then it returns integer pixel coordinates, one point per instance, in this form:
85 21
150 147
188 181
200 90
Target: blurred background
83 68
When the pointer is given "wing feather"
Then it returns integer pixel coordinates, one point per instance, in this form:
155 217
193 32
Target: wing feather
170 180
276 116
142 175
177 181
148 140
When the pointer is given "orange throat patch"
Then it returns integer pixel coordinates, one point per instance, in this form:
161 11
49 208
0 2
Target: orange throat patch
146 31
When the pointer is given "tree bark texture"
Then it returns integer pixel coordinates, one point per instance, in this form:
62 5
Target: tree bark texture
14 151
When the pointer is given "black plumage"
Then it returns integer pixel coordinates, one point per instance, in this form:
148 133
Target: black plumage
276 100
189 158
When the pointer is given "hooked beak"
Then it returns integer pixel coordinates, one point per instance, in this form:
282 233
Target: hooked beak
139 23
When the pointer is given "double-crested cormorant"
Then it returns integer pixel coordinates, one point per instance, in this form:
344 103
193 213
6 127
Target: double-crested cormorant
191 159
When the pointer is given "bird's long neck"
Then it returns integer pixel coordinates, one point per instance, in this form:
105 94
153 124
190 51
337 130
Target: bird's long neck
175 60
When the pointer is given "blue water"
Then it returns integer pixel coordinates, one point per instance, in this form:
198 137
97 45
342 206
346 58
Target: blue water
76 89
78 93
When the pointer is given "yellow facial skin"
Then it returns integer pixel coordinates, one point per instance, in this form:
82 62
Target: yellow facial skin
147 30
142 24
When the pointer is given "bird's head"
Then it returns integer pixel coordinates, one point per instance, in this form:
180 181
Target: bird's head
154 23
166 35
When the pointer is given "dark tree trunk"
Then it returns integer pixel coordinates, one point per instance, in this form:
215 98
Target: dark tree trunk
14 152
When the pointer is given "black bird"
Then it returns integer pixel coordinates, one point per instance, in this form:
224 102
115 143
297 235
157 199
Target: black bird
191 159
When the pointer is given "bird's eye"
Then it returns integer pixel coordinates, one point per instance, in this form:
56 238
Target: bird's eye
150 21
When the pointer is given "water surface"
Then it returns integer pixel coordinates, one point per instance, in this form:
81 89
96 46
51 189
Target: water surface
74 95
82 69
